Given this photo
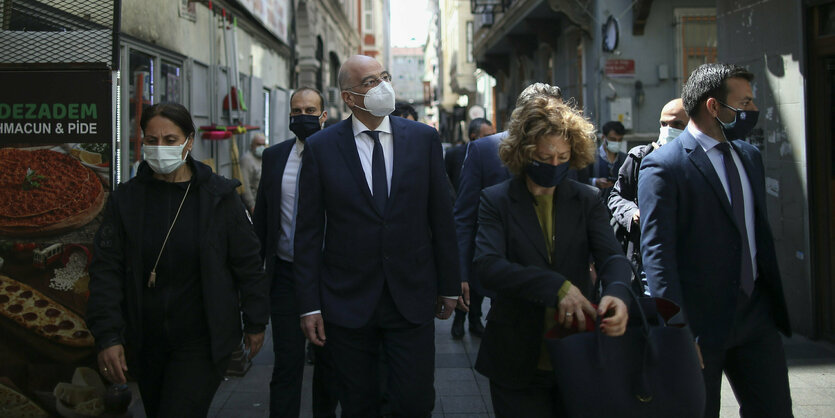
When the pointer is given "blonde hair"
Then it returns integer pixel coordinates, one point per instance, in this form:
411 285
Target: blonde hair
543 116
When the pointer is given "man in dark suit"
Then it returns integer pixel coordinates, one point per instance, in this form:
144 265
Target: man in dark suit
375 250
707 245
623 201
482 168
275 211
454 158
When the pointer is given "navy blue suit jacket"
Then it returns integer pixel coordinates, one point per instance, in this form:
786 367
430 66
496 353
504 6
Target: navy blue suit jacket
690 242
267 216
482 168
345 249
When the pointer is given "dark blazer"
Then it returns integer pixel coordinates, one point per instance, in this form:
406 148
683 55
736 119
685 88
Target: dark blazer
512 261
410 246
453 160
230 271
690 243
482 168
267 216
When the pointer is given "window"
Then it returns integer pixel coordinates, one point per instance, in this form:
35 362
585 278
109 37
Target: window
266 122
367 13
469 41
170 88
696 39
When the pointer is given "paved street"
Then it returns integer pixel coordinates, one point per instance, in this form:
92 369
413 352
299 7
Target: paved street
461 392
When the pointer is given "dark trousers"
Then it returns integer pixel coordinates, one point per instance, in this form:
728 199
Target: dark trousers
540 399
325 395
476 300
288 346
754 361
410 352
180 381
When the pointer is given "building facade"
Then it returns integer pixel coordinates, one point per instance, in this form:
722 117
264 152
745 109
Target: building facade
407 70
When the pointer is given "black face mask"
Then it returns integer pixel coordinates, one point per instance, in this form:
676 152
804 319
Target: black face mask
744 121
305 125
547 175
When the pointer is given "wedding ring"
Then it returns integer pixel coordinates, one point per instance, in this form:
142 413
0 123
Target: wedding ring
569 314
104 370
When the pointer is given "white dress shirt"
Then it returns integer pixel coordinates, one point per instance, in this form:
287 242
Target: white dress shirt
288 201
709 144
365 148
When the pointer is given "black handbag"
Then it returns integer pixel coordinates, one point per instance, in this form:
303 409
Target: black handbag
652 370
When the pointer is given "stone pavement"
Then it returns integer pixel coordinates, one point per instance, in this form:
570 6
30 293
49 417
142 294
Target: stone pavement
461 392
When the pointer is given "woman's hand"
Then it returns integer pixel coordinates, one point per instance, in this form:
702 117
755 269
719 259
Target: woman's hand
112 364
574 305
614 325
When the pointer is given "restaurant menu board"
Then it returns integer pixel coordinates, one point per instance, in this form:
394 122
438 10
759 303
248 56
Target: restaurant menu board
55 173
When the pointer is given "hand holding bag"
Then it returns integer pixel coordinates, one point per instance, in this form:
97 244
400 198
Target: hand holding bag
650 371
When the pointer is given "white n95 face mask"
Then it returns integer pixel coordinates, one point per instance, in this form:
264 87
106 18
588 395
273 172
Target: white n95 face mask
668 134
164 159
379 101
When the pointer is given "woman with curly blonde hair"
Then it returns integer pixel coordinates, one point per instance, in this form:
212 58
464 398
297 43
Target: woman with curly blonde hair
536 233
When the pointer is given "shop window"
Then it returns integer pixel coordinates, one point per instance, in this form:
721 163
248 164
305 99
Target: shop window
696 39
171 83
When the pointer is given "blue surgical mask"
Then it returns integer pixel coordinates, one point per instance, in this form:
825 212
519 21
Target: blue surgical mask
259 151
546 175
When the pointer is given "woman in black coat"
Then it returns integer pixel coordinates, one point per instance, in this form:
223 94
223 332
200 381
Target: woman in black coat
536 234
176 265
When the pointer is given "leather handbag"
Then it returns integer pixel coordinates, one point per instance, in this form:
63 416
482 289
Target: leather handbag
652 370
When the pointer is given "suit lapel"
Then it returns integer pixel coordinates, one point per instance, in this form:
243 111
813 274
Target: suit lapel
524 214
566 214
348 147
702 162
399 145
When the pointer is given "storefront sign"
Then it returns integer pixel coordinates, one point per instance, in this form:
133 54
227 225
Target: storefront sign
49 107
620 68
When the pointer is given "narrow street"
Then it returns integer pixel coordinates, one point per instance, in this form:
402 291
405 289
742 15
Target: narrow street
461 392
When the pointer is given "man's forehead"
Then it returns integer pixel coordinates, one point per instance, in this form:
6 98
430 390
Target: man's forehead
305 98
740 87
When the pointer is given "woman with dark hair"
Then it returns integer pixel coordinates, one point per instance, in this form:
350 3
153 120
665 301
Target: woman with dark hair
176 265
536 234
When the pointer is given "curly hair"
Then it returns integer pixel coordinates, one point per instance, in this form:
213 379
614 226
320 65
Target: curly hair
542 116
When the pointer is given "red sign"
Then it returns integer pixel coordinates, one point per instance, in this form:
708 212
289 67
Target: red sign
620 68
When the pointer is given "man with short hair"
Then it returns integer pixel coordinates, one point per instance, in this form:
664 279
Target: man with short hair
405 110
623 201
707 246
251 169
610 156
375 255
454 158
274 222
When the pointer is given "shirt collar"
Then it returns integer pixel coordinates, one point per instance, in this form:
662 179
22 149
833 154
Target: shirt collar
359 127
299 147
601 151
707 143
